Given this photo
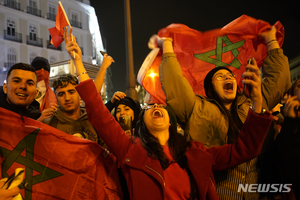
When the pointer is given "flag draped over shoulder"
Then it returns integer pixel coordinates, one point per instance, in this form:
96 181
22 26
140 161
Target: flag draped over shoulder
57 32
199 52
57 165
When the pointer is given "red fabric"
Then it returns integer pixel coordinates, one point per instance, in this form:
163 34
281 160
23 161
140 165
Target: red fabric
57 32
177 179
188 43
144 175
57 165
49 96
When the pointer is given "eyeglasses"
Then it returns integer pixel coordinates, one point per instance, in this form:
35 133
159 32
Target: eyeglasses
222 77
149 106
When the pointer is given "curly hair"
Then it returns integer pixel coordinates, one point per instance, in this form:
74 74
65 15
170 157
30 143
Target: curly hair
64 80
177 144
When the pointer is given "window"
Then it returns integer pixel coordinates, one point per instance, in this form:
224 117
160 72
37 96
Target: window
52 12
52 9
11 27
11 58
32 56
32 33
52 59
74 17
32 4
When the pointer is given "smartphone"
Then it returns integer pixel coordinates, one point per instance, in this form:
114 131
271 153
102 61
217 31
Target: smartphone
103 53
247 88
126 123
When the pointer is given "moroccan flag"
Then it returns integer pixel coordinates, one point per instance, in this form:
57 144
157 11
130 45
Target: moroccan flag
57 32
57 165
199 52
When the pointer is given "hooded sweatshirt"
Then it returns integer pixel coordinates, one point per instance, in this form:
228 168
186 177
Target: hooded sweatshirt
80 127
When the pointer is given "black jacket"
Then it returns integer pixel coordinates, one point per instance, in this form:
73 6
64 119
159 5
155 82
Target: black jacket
32 111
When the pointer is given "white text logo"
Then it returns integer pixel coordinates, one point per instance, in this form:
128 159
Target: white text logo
265 187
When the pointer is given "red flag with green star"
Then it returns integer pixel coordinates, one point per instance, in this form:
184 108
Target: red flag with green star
57 165
199 52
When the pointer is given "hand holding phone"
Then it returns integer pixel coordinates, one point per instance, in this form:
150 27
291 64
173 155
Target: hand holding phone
103 53
126 124
247 88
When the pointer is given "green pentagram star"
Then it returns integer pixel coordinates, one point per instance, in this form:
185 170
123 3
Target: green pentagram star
27 143
233 47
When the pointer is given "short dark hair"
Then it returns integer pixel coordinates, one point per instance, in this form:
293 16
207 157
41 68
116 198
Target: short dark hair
22 66
64 80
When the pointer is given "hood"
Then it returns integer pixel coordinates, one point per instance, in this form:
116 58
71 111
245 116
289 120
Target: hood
65 120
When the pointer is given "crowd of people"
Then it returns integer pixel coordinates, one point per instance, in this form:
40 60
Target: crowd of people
228 138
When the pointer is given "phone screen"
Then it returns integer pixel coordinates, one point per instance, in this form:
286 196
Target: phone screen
126 123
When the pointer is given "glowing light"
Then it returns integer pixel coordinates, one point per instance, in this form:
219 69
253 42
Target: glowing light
152 74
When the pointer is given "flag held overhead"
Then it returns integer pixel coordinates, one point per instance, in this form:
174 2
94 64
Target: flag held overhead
57 32
199 52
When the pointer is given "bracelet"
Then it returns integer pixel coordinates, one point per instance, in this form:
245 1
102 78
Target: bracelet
81 73
271 44
261 113
271 41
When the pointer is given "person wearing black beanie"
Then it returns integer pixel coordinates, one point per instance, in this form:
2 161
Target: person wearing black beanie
121 105
127 106
46 96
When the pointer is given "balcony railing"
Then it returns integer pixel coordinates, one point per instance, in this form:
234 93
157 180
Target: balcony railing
75 23
35 42
12 4
34 11
51 46
51 16
17 37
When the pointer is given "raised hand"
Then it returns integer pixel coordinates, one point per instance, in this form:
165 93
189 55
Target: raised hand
254 81
118 96
48 112
270 38
291 107
107 60
8 194
156 41
71 45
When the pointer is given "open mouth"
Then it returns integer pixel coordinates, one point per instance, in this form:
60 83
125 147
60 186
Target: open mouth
157 113
228 86
21 95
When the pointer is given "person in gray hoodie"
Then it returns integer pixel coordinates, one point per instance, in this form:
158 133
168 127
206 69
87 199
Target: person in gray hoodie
70 117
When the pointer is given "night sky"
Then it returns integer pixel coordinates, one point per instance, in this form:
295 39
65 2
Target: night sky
149 16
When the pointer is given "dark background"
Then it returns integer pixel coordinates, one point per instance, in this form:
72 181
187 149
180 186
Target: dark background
149 16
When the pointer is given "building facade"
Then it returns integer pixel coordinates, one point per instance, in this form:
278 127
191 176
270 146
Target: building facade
24 35
295 68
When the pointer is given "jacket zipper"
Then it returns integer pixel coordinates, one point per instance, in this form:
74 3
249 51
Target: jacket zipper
157 174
